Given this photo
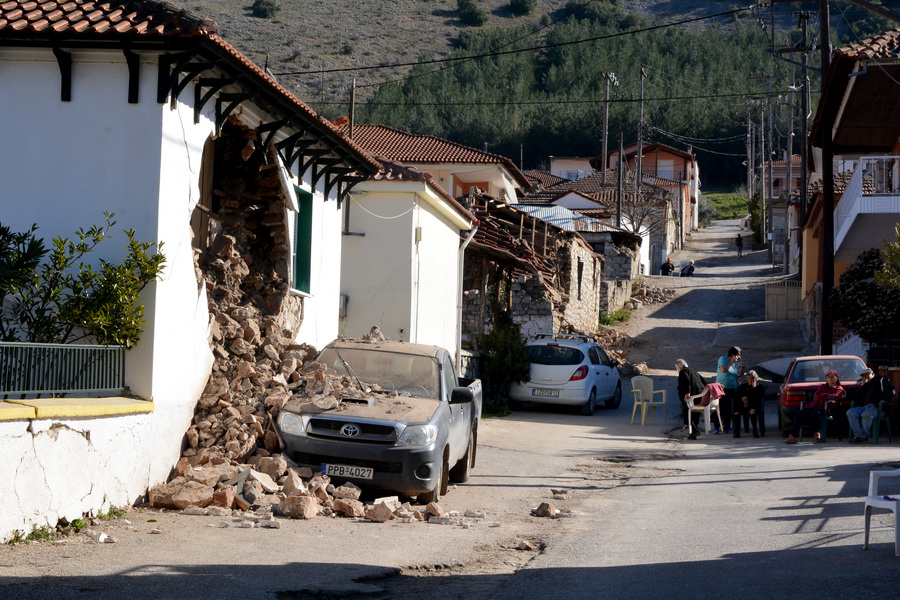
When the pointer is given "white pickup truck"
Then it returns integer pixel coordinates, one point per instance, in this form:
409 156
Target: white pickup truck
402 420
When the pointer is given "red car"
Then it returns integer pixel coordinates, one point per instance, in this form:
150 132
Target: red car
804 377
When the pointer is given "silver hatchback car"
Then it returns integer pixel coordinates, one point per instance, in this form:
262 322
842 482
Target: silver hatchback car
569 369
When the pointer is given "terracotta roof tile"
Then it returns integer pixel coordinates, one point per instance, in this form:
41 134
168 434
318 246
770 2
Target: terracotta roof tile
401 146
883 45
394 171
543 178
141 19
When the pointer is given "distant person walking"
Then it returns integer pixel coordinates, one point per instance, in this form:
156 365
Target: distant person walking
739 242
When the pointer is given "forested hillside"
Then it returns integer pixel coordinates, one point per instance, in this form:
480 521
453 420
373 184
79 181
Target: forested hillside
537 88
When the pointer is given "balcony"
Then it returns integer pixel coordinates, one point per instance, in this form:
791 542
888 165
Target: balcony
868 209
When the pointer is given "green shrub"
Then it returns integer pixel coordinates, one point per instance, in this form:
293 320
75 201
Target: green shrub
505 355
346 49
470 13
522 7
619 316
264 9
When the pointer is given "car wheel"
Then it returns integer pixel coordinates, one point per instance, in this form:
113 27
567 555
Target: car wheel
435 494
460 471
616 399
587 409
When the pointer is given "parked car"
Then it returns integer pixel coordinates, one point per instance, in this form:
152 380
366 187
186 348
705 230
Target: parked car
804 376
569 369
389 415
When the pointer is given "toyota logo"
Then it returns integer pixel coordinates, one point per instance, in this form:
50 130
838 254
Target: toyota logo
350 430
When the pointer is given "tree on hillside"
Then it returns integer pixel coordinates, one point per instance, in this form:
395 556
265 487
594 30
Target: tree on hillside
869 310
471 13
522 7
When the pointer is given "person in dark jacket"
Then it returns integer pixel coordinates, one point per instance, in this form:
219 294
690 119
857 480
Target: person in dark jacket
667 267
688 270
748 403
873 389
690 383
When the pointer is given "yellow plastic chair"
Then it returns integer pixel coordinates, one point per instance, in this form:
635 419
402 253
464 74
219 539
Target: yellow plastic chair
644 396
873 500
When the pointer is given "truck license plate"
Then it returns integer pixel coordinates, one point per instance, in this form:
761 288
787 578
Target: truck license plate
348 471
545 393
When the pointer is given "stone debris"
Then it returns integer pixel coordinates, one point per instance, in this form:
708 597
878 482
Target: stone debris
546 509
526 545
559 494
644 293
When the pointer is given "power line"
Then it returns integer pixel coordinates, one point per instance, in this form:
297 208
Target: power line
508 52
699 140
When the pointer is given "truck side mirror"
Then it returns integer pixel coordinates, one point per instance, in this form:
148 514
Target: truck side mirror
462 395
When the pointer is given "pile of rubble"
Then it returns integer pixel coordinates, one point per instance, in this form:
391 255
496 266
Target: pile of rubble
209 484
643 293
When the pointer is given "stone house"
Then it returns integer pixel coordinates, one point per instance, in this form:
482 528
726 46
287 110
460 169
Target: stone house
144 111
547 277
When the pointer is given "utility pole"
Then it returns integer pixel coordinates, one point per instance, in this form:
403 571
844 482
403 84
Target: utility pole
606 77
769 155
352 105
621 175
749 160
785 268
639 157
827 341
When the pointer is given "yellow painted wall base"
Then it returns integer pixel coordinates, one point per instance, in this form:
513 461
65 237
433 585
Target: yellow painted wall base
44 408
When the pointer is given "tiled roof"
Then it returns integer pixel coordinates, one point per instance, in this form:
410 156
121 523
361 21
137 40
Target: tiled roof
593 187
841 181
884 45
493 237
130 21
401 146
392 171
543 178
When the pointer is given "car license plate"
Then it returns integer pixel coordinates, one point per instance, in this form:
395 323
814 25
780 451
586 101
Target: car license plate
348 471
545 393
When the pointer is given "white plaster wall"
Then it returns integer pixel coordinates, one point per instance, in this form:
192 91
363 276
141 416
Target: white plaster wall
377 268
321 307
70 162
437 282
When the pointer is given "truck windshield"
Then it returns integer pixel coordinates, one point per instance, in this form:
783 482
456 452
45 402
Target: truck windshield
413 374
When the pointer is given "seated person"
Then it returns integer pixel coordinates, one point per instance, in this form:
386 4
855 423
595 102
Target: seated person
873 389
828 392
688 270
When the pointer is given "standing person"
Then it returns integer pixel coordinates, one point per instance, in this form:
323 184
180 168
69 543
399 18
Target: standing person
749 401
727 372
739 242
873 389
830 391
667 267
688 270
690 383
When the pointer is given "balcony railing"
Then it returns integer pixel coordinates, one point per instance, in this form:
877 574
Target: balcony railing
57 369
874 189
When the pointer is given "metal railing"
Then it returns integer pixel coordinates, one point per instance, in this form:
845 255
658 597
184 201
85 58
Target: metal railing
872 176
55 369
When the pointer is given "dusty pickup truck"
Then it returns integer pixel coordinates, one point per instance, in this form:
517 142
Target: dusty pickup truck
386 415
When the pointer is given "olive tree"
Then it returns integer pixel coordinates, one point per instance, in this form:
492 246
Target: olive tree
869 310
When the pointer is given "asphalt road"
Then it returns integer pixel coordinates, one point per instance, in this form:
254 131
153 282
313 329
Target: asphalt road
651 513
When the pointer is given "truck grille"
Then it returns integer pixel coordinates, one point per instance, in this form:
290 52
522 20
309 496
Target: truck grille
368 432
316 460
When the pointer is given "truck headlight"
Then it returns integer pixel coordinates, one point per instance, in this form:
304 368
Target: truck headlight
418 435
291 423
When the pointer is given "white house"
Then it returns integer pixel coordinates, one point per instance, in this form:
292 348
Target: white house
401 258
149 114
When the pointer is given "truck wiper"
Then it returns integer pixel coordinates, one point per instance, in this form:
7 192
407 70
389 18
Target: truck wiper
351 371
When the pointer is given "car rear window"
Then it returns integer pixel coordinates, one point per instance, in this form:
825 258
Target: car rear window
814 370
555 355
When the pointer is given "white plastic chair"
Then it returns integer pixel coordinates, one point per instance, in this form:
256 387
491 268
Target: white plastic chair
706 409
644 394
878 501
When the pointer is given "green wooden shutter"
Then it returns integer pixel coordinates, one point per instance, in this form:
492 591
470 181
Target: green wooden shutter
303 241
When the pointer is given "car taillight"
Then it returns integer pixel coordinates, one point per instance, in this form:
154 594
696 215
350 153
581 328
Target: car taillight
794 396
580 373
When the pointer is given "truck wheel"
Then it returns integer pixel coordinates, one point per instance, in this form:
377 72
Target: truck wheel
439 488
460 472
587 409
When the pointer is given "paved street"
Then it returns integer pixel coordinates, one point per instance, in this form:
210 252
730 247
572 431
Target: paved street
652 514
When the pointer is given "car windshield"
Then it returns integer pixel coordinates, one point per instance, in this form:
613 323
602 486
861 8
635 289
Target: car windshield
555 355
814 370
413 374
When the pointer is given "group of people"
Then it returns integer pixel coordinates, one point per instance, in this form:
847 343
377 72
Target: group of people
668 268
873 390
739 407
